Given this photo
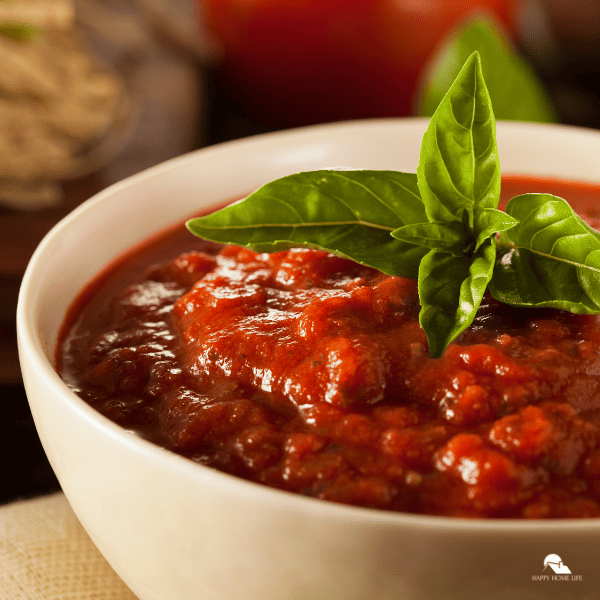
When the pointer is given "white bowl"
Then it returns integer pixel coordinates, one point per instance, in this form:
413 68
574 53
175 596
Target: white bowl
175 530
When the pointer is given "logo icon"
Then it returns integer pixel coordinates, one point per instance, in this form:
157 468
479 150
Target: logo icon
556 564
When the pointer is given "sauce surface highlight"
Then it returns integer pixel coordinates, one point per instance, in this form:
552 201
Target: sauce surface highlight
309 373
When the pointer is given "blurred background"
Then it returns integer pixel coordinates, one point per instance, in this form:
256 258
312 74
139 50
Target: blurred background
92 91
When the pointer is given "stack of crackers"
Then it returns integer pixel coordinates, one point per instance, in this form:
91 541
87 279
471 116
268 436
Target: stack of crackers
59 105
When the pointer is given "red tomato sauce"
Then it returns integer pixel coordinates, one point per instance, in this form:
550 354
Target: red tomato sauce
309 373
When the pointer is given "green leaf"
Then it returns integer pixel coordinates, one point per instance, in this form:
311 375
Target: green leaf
447 237
550 259
350 213
459 167
489 222
20 32
451 290
515 90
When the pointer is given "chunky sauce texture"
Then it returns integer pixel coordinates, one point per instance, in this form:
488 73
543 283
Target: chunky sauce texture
309 373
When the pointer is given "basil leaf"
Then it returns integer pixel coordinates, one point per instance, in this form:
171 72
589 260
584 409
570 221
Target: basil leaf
448 237
489 222
450 290
459 166
20 32
550 259
515 90
350 213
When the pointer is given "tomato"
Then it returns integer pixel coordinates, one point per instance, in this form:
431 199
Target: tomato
294 62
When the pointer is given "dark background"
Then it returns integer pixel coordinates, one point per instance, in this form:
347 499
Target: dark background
27 472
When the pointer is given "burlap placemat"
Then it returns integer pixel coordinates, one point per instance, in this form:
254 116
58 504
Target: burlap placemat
45 554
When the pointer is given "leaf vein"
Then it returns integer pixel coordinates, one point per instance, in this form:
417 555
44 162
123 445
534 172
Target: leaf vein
302 224
560 259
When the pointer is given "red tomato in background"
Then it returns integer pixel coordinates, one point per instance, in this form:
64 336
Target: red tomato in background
295 62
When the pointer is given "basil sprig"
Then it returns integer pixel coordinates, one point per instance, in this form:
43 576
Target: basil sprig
442 224
459 181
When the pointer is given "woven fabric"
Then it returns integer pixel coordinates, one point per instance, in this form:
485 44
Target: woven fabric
45 554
